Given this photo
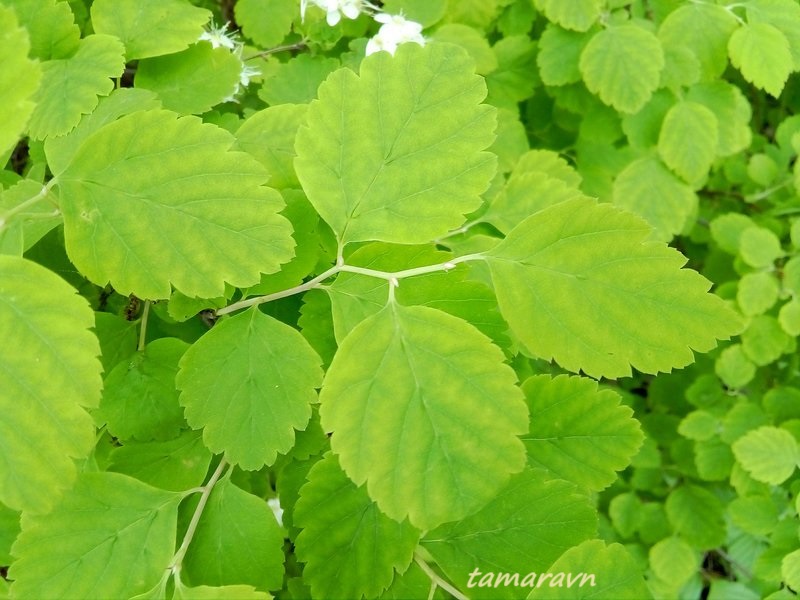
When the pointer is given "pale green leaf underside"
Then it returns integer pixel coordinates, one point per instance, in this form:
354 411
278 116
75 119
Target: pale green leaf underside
579 433
423 409
688 140
70 86
647 188
199 219
111 537
367 132
45 387
576 282
538 518
762 54
769 454
237 540
622 65
249 383
191 81
351 549
15 98
150 27
616 575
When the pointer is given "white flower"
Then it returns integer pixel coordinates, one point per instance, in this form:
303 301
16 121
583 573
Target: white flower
396 30
219 37
334 9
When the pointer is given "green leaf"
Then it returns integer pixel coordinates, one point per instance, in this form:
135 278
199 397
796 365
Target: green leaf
150 27
123 101
227 592
297 80
577 432
732 110
784 15
92 545
607 572
681 68
559 53
366 133
266 22
647 188
9 530
351 549
525 195
26 75
249 383
473 41
549 163
449 411
759 247
515 79
51 27
539 517
70 87
764 340
578 15
699 425
622 65
761 52
768 454
191 81
475 13
643 128
576 280
140 400
26 228
727 230
757 293
237 541
673 560
118 338
790 569
688 140
141 234
45 388
704 29
754 514
176 465
425 12
789 317
268 135
696 516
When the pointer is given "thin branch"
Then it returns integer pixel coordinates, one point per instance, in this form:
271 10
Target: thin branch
23 206
143 326
287 48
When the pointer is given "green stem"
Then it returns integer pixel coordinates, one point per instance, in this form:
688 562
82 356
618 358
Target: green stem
434 577
143 325
23 206
296 46
343 268
769 191
177 560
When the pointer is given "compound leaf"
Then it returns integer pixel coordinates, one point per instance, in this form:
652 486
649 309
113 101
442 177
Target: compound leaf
45 387
110 537
608 572
539 517
139 396
762 54
200 218
688 140
70 86
351 549
423 409
249 383
25 74
579 433
150 27
622 65
366 132
647 188
241 528
576 281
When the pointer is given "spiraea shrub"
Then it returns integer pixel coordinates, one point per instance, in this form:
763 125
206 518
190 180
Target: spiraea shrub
409 299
